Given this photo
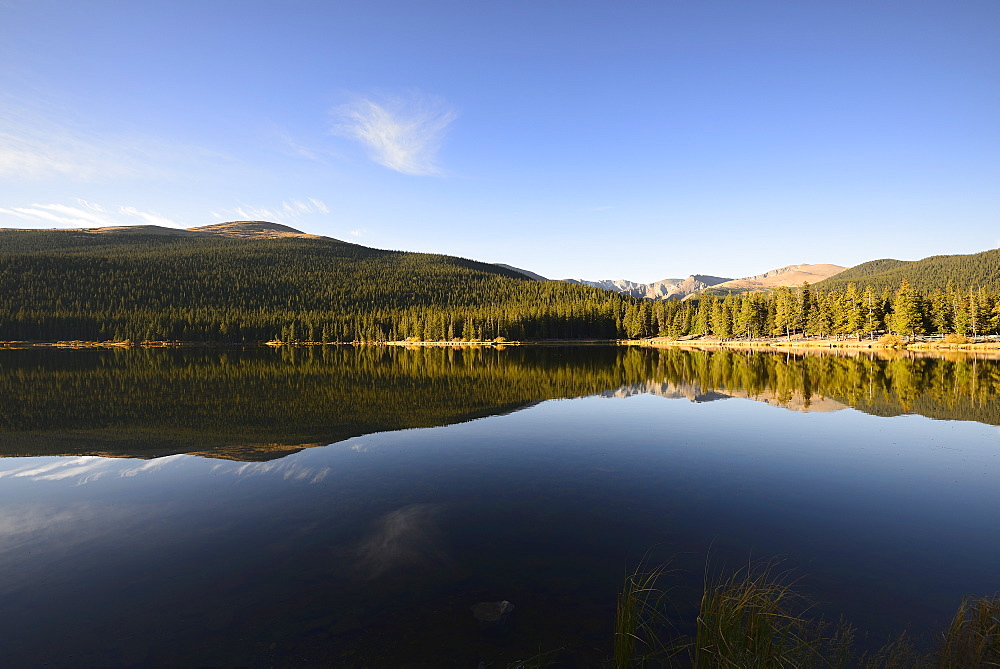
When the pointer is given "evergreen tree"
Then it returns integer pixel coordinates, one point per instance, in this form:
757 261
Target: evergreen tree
805 305
852 314
907 316
786 316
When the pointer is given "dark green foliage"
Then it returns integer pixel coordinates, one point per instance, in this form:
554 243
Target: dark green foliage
261 403
851 312
65 285
75 285
927 275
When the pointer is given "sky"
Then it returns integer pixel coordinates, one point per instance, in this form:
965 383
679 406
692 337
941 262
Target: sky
640 139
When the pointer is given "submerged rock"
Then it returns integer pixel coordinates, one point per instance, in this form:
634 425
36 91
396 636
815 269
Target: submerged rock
492 613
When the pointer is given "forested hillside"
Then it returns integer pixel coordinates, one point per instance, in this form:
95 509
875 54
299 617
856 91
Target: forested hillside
195 285
927 275
60 284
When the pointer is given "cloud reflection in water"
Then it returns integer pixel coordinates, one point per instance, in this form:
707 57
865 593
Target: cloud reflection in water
406 537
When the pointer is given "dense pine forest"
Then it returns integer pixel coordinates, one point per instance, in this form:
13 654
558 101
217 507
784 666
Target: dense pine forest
851 312
926 275
75 285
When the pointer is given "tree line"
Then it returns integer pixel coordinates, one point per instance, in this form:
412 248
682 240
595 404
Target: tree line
74 286
226 290
852 312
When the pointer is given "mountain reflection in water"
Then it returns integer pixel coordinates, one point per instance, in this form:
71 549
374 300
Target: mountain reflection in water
261 404
272 507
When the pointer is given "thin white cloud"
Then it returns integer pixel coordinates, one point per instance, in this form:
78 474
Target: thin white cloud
403 134
41 140
152 465
358 232
34 146
83 468
289 210
83 214
407 537
288 470
148 218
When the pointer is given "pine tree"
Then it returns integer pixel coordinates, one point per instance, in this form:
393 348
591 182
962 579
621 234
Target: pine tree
852 312
785 312
805 305
907 316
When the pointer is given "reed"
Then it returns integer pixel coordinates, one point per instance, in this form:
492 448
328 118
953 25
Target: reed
755 618
641 619
973 637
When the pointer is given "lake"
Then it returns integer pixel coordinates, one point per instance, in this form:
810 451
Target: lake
350 505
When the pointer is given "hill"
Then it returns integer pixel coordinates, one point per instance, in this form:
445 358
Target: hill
254 281
792 275
927 275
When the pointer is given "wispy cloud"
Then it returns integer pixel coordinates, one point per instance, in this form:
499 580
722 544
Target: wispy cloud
83 468
152 465
289 471
83 214
34 146
41 139
287 211
358 232
406 537
401 133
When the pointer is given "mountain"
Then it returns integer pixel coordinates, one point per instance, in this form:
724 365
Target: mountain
255 281
677 289
927 275
665 289
792 275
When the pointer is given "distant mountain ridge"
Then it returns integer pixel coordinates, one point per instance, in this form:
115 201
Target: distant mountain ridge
679 289
665 289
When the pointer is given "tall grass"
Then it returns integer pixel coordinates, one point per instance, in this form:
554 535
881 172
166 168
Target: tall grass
755 618
973 638
641 618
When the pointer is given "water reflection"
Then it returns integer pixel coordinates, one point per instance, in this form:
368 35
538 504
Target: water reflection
408 536
259 405
371 551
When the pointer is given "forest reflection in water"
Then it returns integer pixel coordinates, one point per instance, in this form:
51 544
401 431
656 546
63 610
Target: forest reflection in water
253 404
271 548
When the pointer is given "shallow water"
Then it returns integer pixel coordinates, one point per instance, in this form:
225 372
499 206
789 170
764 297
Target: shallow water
536 476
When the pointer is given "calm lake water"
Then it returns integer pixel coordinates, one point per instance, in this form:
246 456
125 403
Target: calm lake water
350 505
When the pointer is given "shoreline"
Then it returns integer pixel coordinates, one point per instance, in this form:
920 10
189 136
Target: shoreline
989 344
818 346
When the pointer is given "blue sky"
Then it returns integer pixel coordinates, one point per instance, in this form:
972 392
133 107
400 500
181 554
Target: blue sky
641 140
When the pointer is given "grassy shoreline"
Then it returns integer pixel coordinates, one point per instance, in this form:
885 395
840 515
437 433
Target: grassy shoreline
816 345
990 344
